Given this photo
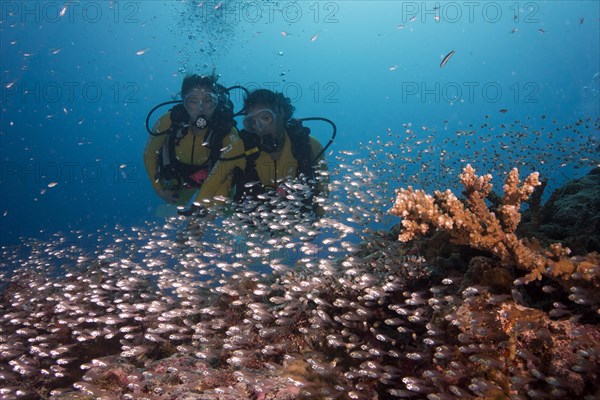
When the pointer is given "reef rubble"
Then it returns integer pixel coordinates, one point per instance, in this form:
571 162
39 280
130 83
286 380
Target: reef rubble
468 311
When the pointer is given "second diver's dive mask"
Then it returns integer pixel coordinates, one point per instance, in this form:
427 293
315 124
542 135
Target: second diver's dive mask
257 123
259 120
200 104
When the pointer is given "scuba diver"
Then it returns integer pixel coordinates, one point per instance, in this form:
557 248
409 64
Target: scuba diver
278 149
186 142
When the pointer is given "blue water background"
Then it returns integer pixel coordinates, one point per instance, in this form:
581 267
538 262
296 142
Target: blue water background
76 89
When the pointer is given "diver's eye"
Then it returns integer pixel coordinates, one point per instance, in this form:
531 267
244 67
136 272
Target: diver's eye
266 117
258 120
199 100
209 99
192 102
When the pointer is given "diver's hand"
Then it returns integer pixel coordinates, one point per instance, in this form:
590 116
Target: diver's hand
197 222
169 196
194 210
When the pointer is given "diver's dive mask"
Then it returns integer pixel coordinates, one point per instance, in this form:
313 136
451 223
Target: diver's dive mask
259 120
258 123
200 102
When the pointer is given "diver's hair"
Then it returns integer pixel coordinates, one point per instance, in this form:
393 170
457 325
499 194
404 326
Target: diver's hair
272 100
205 81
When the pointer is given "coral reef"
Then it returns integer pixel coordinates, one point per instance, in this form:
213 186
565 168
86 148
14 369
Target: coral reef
473 224
571 215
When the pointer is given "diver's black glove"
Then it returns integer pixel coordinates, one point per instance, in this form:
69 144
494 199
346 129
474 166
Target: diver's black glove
195 211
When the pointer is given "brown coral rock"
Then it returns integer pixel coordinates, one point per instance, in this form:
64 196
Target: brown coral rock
473 224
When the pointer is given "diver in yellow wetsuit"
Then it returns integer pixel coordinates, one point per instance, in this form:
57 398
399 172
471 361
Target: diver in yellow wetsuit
278 149
187 142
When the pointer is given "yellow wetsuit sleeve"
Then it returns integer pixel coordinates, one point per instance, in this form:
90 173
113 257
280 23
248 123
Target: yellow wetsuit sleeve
153 148
219 180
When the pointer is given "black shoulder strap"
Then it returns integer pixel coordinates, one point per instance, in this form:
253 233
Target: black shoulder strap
167 159
179 117
249 174
221 124
301 149
170 167
302 152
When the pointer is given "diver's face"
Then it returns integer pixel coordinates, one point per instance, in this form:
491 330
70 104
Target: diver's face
261 120
200 101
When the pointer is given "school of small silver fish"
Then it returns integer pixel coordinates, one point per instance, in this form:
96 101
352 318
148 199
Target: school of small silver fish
329 308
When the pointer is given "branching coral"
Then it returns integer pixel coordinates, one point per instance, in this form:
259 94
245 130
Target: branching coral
473 224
